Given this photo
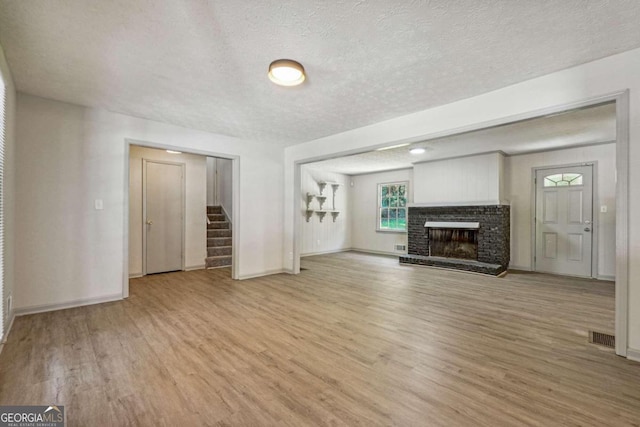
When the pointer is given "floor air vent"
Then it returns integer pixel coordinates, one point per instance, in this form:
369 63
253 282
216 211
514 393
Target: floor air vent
400 247
602 339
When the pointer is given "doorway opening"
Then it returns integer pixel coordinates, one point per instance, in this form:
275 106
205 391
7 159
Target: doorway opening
173 223
612 207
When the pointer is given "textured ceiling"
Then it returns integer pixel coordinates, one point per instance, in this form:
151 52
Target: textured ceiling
203 64
587 126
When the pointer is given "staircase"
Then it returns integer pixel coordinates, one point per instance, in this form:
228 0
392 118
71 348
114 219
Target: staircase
218 239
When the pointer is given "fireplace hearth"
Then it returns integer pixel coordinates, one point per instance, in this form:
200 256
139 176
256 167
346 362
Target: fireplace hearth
469 238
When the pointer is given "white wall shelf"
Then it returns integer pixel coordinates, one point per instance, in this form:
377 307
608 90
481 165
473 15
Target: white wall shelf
321 212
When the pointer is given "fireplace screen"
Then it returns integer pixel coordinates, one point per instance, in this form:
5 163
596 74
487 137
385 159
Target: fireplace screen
453 243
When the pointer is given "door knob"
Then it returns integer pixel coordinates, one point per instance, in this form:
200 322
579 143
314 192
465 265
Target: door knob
587 229
149 222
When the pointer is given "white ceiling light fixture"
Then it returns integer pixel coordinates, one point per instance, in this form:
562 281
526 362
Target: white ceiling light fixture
286 72
417 150
174 152
392 147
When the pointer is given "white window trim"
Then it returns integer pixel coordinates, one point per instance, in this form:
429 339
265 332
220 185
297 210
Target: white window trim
379 206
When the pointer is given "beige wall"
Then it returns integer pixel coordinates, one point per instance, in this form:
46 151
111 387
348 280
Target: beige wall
195 239
326 236
519 192
364 202
224 186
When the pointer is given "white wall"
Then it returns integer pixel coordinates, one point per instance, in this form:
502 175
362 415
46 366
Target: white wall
67 252
469 180
364 208
195 239
8 195
211 181
326 236
587 81
519 192
224 181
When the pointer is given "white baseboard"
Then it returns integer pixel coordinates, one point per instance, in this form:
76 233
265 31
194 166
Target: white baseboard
607 278
633 354
373 252
12 317
194 267
333 251
519 267
266 273
69 304
135 275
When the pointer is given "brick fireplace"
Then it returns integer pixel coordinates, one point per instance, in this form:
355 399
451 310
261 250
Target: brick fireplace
469 238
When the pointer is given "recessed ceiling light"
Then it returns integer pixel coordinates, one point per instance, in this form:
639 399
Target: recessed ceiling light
392 146
174 152
417 150
286 72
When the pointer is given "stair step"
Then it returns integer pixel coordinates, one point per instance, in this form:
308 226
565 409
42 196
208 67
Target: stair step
218 241
217 261
221 232
219 251
214 209
217 217
217 225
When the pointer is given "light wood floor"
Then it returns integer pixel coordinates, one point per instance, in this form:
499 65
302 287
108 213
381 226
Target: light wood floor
354 340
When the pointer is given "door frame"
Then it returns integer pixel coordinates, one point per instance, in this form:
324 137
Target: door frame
235 191
595 225
621 99
183 206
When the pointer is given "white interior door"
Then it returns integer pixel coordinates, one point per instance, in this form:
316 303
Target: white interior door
564 220
164 206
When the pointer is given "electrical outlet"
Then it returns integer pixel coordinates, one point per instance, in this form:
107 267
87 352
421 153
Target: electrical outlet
318 241
290 255
99 205
603 209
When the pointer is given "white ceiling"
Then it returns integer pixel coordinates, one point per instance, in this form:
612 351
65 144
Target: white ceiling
203 64
579 127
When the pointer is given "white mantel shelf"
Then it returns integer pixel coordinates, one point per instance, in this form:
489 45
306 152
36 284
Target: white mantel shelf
476 203
455 224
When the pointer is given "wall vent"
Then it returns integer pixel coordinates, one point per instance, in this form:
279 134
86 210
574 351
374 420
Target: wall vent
400 247
600 338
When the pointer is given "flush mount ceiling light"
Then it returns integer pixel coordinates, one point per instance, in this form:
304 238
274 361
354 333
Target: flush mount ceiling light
286 72
174 152
417 150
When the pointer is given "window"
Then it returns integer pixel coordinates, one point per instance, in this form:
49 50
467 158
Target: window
392 206
563 180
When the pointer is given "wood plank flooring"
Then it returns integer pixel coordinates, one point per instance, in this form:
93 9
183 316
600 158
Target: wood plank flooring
353 340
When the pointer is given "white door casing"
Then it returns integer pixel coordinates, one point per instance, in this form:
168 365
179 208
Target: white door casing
564 220
163 221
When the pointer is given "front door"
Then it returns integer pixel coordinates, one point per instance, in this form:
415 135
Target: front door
164 216
564 216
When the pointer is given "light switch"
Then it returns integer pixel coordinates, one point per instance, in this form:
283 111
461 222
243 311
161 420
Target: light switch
99 205
603 209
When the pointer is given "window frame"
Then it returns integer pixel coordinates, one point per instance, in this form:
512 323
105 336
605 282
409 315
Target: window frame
379 207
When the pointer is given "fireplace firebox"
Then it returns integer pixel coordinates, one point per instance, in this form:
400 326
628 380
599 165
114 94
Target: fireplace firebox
453 243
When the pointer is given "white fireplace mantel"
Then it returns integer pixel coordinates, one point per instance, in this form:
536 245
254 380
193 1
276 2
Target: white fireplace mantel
440 224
